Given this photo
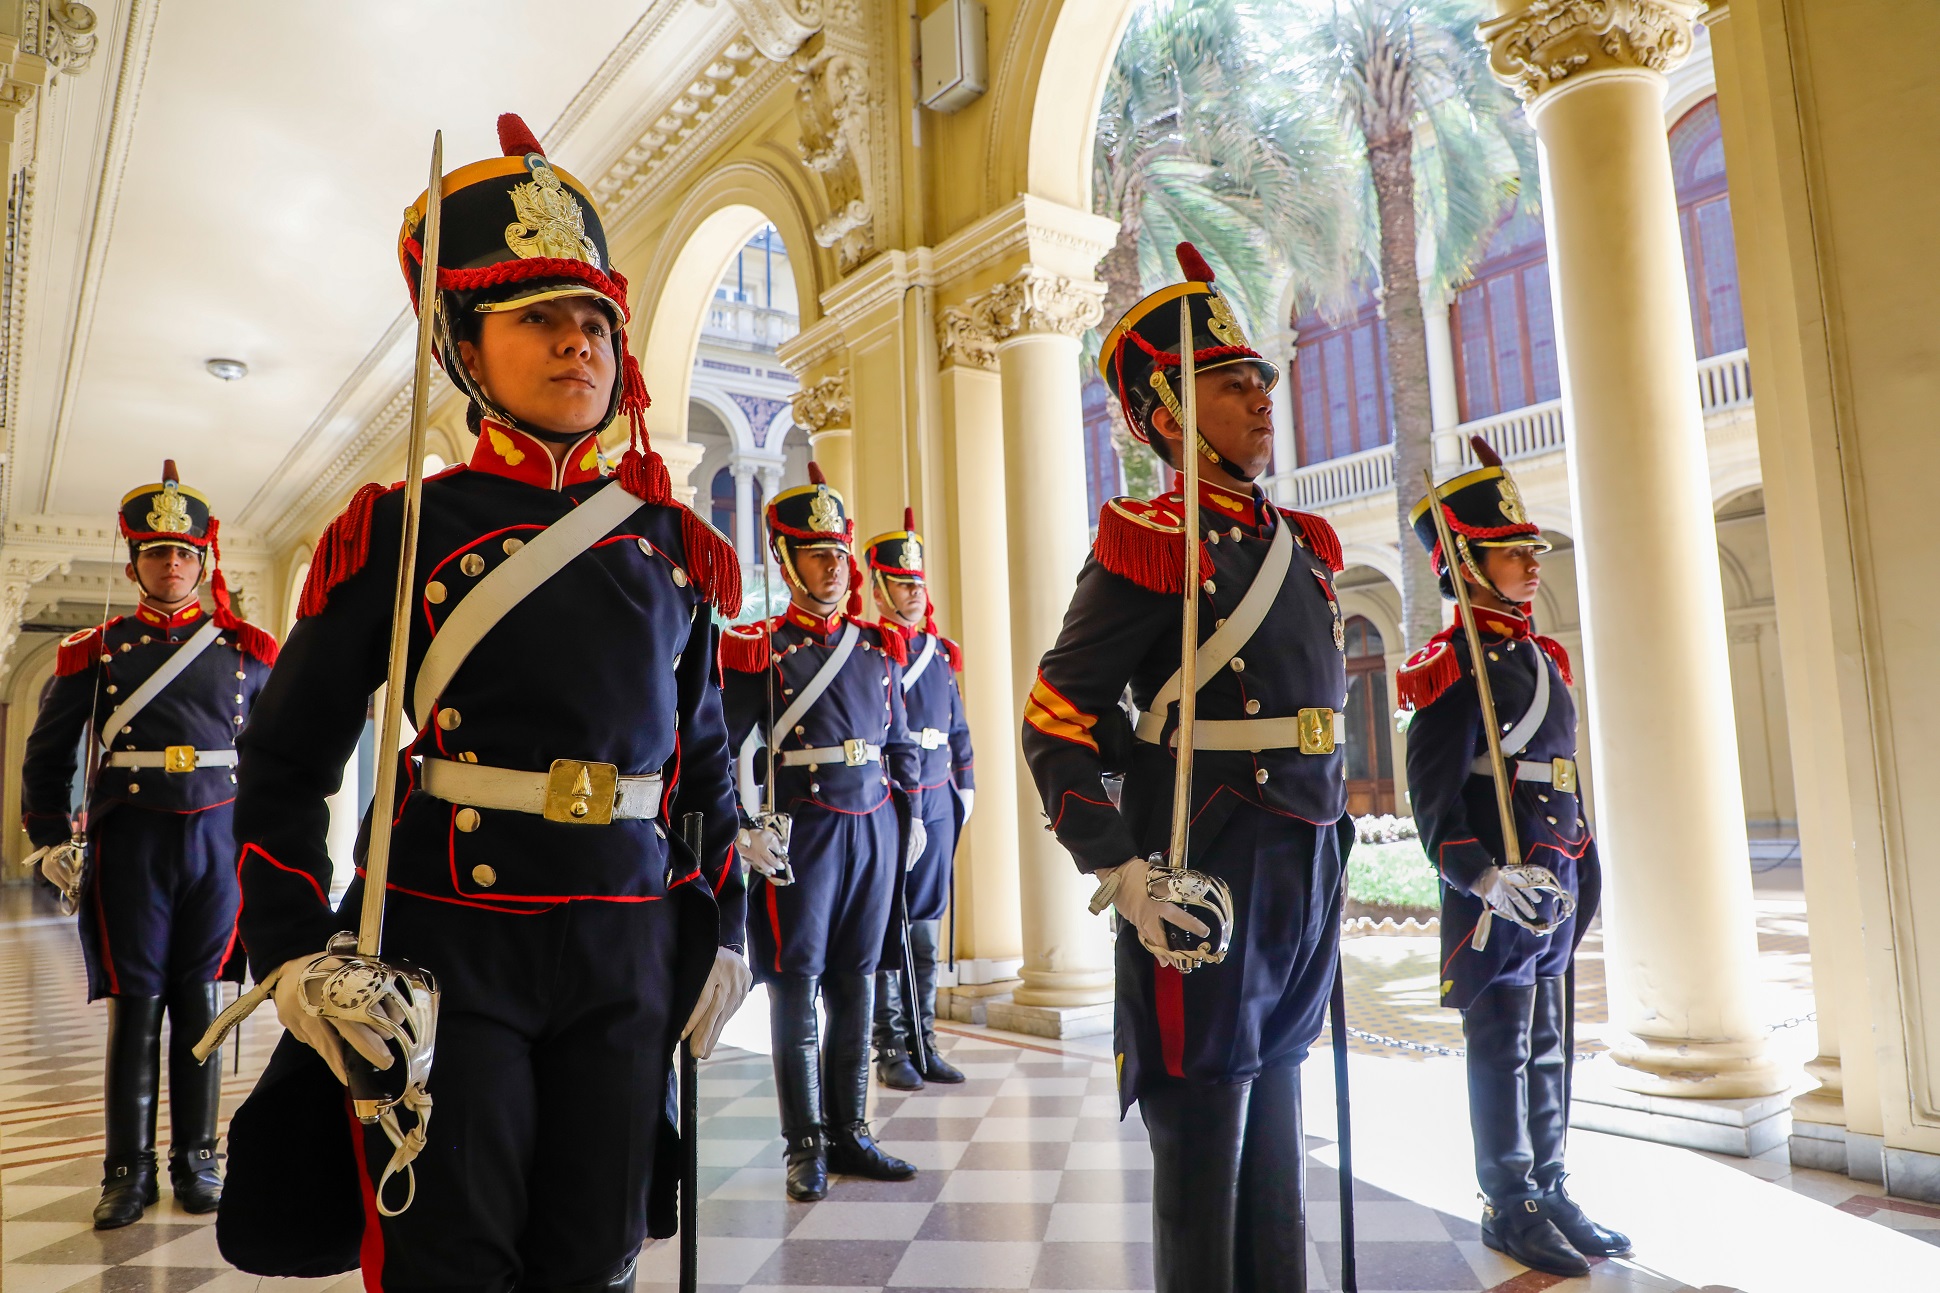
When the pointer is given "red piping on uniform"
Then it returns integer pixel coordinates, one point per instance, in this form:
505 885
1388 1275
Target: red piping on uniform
1458 949
262 853
1169 998
539 909
1444 847
726 862
774 923
1072 794
370 1253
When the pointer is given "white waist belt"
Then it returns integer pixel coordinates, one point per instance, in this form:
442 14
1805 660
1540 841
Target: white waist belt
931 739
850 753
1315 731
1546 772
176 758
573 791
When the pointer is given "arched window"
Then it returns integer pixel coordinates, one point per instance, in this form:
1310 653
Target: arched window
1369 749
720 501
1505 335
1704 219
1340 384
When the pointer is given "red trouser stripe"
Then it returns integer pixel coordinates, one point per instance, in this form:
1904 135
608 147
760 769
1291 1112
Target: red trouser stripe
1169 995
370 1255
774 923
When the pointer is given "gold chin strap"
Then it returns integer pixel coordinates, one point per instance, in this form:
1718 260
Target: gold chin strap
1474 567
1171 402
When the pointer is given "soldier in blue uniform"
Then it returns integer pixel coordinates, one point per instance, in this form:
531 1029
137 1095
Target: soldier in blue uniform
933 706
1508 981
1212 1057
158 892
534 870
815 710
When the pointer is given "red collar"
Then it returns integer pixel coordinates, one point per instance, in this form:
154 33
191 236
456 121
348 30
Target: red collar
510 452
1507 624
1243 508
910 634
815 624
190 614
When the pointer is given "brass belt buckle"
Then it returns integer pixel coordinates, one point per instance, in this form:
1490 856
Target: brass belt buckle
1316 731
1562 775
932 739
581 794
178 758
855 752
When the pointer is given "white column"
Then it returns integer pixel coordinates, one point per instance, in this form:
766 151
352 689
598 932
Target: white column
1680 945
1445 407
746 543
1279 347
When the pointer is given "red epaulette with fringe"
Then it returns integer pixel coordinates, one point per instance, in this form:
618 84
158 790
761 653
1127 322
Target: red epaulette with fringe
1429 672
78 651
1554 650
893 644
954 652
1319 535
260 643
342 551
745 647
712 562
1145 543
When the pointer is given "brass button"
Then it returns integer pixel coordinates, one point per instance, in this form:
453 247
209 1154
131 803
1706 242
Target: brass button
814 787
1239 665
222 641
645 547
512 545
1210 586
241 674
449 719
126 730
680 577
885 781
112 689
1236 534
145 639
1252 706
467 820
1494 656
434 592
1543 798
127 646
472 564
239 720
1212 537
239 698
133 789
1220 623
484 876
1550 820
1259 775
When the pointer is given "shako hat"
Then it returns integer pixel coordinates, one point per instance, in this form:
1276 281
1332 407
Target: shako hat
166 514
898 553
1141 355
813 516
1483 508
514 230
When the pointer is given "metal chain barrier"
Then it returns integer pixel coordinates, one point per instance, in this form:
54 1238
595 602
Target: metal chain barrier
1457 1052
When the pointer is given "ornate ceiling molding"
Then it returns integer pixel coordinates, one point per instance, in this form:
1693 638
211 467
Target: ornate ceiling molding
685 125
1549 43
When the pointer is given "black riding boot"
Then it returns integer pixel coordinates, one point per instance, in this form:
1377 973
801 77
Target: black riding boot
615 1281
1196 1134
1497 1026
1270 1252
798 1083
845 1074
922 944
134 1064
894 1068
1548 1126
194 1099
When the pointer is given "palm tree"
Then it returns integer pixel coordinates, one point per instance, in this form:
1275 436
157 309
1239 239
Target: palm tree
1197 142
1440 139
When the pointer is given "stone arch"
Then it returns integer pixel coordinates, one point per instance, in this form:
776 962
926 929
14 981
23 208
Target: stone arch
689 256
1050 75
731 414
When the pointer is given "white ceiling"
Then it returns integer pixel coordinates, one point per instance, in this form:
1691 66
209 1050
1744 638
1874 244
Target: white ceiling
272 151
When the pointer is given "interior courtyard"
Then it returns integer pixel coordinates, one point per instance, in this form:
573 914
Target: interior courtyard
1692 314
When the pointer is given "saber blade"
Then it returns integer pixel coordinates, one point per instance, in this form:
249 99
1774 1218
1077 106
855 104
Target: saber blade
1189 620
377 860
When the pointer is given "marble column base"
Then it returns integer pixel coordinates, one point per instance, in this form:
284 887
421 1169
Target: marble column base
1741 1127
1049 1021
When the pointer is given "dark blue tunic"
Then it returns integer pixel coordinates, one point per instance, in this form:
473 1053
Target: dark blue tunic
845 843
1455 807
933 705
1268 822
158 906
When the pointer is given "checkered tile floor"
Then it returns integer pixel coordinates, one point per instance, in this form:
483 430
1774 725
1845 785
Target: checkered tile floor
1029 1181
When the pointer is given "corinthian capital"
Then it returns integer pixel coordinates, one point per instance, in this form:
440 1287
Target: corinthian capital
1035 301
1547 42
964 337
825 405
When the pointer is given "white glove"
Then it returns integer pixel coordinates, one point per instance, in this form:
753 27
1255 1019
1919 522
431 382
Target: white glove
1503 892
1149 916
325 1036
727 987
63 864
763 848
919 839
968 797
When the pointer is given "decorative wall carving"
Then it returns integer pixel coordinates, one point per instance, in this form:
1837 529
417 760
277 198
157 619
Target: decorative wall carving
70 38
18 575
1542 45
1032 301
779 27
760 411
963 338
690 112
825 405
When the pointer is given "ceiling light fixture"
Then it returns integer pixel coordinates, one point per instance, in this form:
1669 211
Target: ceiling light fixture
228 370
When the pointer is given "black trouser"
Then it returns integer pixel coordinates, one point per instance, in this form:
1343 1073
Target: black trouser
1517 1070
893 1026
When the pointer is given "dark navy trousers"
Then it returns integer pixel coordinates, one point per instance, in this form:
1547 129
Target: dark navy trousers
833 919
161 901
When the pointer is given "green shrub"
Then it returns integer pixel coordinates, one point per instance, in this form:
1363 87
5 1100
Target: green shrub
1392 875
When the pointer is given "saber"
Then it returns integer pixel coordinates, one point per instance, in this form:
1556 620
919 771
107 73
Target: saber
1337 1012
912 1000
377 857
691 829
1189 619
1505 812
